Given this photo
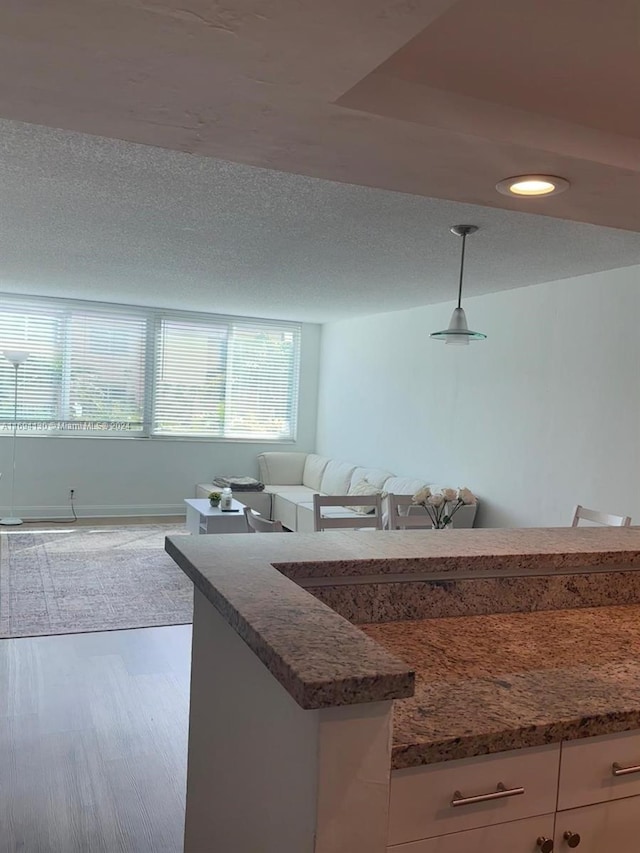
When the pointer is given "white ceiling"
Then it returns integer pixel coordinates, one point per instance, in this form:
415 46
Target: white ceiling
378 124
107 220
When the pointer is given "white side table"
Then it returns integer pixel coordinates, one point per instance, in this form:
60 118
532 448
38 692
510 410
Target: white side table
204 518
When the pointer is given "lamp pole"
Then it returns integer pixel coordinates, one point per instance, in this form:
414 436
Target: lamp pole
16 357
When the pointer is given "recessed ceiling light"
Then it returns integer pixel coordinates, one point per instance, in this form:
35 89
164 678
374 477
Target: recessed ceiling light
529 186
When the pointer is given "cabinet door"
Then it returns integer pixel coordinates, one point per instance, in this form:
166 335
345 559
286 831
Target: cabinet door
603 828
518 836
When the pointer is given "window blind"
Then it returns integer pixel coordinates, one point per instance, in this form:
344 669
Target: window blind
190 378
262 385
85 371
237 379
36 330
104 375
104 369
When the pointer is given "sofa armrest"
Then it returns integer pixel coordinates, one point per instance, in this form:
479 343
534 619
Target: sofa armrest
281 468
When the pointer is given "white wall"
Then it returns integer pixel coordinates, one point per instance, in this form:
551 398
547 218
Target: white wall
542 415
136 476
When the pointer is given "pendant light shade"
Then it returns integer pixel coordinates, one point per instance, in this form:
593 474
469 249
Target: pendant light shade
458 332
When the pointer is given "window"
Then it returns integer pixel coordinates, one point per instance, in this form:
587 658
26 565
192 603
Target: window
104 370
190 378
99 369
261 379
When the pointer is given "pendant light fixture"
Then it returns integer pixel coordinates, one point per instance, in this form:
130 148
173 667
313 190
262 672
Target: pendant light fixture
458 331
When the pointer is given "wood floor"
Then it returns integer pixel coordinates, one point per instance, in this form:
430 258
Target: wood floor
93 741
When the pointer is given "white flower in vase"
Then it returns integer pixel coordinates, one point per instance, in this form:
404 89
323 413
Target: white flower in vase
442 506
421 496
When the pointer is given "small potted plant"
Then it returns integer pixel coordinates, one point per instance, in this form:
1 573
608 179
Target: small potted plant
214 498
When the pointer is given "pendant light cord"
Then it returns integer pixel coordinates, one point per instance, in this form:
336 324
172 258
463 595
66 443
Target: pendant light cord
464 238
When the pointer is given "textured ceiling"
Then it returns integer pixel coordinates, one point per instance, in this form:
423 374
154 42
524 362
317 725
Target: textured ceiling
362 113
336 90
107 220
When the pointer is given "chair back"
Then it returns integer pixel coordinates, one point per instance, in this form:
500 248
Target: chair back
399 520
599 517
257 523
357 522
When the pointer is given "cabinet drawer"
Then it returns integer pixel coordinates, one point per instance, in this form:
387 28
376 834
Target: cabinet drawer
586 769
421 797
519 836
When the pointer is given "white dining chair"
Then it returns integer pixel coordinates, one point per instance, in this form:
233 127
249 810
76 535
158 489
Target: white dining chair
347 520
257 523
582 512
403 514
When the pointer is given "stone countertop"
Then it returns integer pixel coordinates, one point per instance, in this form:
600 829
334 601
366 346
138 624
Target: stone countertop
323 660
319 658
486 684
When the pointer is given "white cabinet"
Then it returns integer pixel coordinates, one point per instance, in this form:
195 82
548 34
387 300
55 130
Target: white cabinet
599 795
507 801
587 774
612 827
454 796
519 836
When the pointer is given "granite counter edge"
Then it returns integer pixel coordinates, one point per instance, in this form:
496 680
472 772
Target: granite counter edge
393 680
487 743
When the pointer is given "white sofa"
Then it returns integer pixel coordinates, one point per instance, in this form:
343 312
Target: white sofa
291 479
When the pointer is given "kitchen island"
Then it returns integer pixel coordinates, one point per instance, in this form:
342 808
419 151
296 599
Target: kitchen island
337 675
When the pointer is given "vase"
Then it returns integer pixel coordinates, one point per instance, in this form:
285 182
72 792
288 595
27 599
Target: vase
442 526
214 503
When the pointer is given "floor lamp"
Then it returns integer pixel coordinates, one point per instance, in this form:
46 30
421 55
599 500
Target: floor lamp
16 358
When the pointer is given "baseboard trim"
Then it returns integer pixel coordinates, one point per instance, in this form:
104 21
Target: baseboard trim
64 513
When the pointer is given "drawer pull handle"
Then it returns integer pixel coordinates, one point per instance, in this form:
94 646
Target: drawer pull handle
572 838
545 844
499 794
617 770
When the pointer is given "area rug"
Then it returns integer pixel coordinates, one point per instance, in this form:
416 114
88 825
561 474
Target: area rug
90 579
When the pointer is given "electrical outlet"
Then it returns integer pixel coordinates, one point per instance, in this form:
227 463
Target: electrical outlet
72 494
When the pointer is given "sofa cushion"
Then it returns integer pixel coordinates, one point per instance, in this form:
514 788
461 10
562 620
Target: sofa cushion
336 478
375 476
281 467
313 470
403 485
364 488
